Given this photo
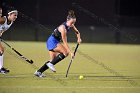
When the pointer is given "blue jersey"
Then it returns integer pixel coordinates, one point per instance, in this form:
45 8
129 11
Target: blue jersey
66 27
56 37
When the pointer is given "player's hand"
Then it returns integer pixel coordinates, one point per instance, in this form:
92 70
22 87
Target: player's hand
1 33
72 55
79 40
1 49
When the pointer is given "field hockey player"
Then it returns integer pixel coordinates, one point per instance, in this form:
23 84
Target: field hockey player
5 24
59 50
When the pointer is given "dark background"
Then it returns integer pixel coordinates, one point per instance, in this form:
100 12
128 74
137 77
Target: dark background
99 21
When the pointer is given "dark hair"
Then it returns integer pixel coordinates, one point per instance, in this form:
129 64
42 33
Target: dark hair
11 9
71 14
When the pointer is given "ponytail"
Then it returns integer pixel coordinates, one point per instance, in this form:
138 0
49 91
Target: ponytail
71 15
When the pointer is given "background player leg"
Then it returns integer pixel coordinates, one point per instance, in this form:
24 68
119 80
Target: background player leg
2 69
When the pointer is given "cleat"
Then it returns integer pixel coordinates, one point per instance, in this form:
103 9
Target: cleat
39 74
4 71
51 66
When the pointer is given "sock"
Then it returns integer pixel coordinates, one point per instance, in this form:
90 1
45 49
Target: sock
1 61
58 58
43 68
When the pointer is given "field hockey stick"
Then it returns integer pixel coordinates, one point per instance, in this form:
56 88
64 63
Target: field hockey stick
72 59
23 57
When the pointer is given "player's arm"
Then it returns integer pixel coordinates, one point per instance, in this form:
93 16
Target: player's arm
64 37
77 34
2 19
0 12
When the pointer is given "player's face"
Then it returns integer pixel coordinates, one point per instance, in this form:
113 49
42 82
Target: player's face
13 16
72 21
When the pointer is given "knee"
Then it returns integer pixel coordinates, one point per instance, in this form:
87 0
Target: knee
65 53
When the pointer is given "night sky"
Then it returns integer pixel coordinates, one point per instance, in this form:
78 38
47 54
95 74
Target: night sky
55 11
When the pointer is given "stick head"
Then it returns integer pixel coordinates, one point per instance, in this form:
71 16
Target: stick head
31 62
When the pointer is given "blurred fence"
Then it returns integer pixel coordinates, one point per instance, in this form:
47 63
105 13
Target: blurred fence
89 34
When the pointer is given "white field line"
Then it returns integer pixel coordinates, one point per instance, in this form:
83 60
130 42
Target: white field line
62 78
51 76
41 87
27 75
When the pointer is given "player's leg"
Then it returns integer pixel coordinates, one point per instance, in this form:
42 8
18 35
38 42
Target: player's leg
2 69
62 54
45 67
53 55
53 46
1 56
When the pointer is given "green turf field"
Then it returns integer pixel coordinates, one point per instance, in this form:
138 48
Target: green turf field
107 68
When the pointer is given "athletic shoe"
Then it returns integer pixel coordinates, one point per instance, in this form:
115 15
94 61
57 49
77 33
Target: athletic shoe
4 70
51 66
39 74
